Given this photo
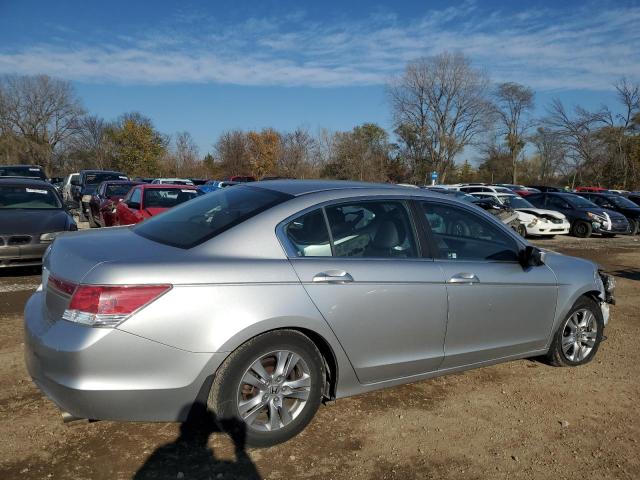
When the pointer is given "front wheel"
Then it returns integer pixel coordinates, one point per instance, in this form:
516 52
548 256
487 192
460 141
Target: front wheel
634 225
272 384
522 230
581 229
578 338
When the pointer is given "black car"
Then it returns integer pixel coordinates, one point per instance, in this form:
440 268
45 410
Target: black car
585 216
620 204
83 188
24 171
546 188
31 216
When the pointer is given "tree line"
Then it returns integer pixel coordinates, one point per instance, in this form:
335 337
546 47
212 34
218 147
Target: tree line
443 108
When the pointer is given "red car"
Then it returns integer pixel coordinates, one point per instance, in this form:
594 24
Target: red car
147 200
102 206
592 189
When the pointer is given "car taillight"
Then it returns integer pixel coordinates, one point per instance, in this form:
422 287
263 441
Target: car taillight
108 306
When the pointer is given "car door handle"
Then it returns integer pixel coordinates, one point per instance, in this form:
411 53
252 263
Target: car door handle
333 276
464 277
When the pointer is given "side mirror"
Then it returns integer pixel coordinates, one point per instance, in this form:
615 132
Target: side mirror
531 257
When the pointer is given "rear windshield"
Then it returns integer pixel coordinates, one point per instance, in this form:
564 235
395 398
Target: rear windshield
18 197
207 216
167 197
94 178
33 172
118 189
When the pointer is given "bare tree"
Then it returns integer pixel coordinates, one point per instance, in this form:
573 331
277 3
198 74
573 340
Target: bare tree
513 105
440 103
578 134
232 152
551 153
186 153
296 154
42 110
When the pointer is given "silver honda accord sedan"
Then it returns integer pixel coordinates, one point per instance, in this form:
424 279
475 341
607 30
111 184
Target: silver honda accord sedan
262 300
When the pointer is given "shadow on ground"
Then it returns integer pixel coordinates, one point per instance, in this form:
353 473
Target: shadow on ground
190 457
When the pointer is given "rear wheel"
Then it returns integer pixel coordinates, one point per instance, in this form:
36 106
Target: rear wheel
581 229
578 338
272 384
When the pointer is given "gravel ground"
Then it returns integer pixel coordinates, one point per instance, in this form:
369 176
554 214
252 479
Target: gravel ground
521 419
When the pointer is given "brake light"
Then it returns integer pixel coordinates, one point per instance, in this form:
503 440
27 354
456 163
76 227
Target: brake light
108 306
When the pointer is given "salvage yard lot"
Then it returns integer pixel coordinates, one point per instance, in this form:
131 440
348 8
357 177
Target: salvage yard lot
522 419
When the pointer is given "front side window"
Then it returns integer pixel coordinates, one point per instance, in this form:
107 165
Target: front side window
463 235
197 221
371 229
136 196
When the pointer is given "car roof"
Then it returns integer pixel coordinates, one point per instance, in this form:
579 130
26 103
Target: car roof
302 187
22 181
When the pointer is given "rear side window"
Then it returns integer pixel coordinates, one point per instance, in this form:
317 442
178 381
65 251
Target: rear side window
202 218
366 229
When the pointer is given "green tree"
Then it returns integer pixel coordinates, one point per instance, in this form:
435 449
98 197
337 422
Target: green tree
136 145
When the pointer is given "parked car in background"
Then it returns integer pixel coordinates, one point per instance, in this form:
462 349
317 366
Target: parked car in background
87 183
172 181
69 182
213 185
259 299
591 189
102 206
617 203
484 188
519 189
143 179
547 188
585 217
242 178
503 213
536 221
31 216
624 193
25 171
146 200
198 181
634 197
57 182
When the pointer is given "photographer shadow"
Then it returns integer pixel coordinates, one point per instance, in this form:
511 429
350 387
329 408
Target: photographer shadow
190 456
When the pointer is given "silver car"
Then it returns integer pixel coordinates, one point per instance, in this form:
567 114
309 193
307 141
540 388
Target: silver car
264 299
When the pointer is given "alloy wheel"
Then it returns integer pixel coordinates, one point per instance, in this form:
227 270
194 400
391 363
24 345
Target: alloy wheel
274 390
579 335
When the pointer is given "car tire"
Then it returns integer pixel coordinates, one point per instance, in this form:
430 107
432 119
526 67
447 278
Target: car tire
633 226
581 229
522 231
230 392
585 325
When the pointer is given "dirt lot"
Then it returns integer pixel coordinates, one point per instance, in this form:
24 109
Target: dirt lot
506 421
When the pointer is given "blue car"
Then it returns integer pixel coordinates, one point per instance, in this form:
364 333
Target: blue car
213 185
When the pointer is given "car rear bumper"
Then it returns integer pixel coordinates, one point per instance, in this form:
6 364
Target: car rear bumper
22 255
108 374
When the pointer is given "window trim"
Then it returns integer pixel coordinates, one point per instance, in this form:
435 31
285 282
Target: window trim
291 253
431 238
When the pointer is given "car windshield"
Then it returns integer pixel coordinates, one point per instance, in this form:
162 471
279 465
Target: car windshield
19 171
95 178
209 215
18 197
512 201
622 202
579 202
167 197
118 190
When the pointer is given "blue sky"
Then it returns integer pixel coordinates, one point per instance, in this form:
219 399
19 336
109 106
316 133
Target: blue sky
207 67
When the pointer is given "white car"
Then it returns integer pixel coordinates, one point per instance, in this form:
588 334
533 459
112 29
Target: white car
536 221
66 186
484 189
173 181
